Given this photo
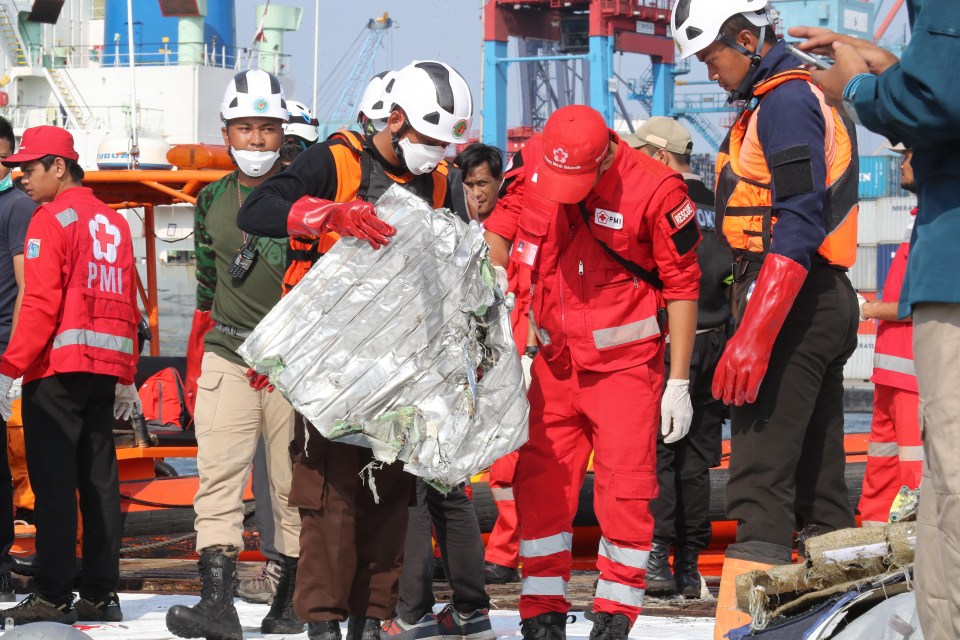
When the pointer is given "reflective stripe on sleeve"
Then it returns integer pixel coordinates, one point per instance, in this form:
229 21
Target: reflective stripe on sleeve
616 336
544 586
67 217
895 364
616 592
634 558
911 454
883 449
73 337
546 546
502 494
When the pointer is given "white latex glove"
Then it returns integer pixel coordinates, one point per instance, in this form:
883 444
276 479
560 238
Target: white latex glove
6 402
676 411
127 402
17 389
526 362
860 302
502 281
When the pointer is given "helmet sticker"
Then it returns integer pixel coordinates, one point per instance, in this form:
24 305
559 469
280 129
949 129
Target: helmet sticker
260 105
459 128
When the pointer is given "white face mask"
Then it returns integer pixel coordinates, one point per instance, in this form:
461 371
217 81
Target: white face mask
420 158
254 163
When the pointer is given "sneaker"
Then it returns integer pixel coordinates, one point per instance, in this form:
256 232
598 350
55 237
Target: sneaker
498 574
609 626
104 609
6 588
36 608
425 628
261 589
460 626
546 626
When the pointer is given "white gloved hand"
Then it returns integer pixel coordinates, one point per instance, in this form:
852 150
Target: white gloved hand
17 389
526 362
676 411
6 402
860 302
127 402
502 280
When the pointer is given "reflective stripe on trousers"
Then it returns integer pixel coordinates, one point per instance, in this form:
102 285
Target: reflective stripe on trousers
895 364
546 546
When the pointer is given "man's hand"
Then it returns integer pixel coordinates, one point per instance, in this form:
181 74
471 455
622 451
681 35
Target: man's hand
835 79
259 381
356 219
676 411
820 41
6 402
126 402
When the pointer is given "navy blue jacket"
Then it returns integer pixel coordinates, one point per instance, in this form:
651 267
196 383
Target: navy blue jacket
917 102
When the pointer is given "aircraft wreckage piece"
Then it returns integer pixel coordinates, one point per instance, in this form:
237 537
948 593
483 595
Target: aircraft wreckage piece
407 350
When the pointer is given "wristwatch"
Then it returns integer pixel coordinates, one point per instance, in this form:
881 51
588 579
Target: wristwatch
531 351
849 93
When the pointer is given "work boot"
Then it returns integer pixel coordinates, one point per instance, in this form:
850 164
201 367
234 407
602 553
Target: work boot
546 626
99 609
498 574
260 590
329 630
214 617
363 628
609 626
685 569
6 588
660 580
282 618
36 608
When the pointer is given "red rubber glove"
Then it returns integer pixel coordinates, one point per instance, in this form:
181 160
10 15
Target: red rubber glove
314 217
744 362
202 323
259 381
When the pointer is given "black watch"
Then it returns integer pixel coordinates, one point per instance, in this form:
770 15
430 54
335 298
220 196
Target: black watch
531 351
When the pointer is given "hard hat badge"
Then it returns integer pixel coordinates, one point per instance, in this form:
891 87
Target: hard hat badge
260 105
459 128
560 155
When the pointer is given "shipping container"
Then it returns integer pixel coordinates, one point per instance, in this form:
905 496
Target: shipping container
885 253
860 364
894 219
863 274
874 172
867 222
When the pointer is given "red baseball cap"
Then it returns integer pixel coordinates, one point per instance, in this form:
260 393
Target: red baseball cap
575 141
43 141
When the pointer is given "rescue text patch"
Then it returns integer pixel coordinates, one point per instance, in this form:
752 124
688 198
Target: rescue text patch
33 248
682 214
609 219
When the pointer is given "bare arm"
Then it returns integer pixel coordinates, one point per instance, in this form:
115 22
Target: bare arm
499 248
682 321
876 310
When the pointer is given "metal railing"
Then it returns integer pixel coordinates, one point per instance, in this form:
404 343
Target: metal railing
111 118
156 54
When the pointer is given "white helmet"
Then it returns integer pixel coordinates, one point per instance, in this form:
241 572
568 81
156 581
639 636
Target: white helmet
696 23
435 98
301 124
372 105
253 94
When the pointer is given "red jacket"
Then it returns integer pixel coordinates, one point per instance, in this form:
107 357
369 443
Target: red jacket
893 355
79 310
584 303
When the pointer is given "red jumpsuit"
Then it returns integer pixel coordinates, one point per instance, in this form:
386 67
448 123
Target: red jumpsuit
598 378
895 454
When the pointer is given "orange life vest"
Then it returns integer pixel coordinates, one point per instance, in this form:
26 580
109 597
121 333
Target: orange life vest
744 196
359 177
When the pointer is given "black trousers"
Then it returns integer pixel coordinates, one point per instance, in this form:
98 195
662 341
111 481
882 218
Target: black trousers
68 431
461 549
6 505
681 512
787 455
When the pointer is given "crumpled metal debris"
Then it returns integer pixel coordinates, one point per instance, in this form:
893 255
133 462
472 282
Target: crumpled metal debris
407 350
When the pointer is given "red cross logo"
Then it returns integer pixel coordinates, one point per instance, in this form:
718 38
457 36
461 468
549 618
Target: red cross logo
106 237
602 217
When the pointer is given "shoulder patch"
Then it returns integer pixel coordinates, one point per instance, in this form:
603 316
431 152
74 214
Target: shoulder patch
609 219
33 248
682 215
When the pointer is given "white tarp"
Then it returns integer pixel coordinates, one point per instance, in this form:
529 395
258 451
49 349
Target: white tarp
383 348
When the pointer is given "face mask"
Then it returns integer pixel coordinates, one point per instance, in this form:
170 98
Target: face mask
6 183
254 163
420 158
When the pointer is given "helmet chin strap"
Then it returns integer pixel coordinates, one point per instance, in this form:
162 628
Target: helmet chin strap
743 90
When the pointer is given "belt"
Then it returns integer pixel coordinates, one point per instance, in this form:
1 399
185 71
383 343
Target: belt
699 331
232 331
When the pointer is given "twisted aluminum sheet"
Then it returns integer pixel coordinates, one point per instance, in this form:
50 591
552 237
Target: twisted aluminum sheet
407 350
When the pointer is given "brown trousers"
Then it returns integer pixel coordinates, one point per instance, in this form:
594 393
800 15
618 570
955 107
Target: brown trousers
353 513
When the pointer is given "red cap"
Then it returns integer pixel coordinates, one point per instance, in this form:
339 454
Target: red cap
575 141
43 141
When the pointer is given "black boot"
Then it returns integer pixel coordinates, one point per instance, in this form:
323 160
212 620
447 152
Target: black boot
214 617
685 568
329 630
282 618
546 626
363 628
660 580
609 626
